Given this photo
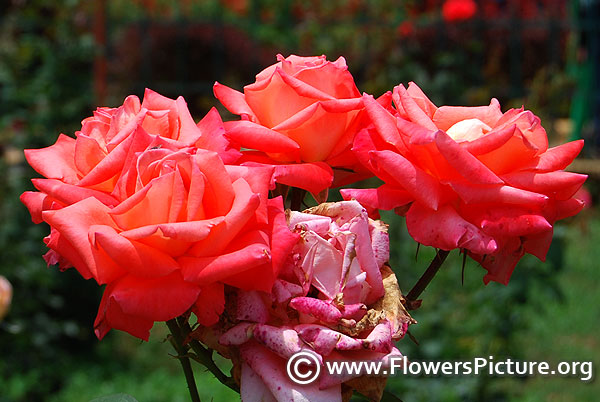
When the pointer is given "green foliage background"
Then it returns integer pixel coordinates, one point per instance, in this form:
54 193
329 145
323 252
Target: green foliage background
47 348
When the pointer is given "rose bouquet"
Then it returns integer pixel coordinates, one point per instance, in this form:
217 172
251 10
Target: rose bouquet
200 224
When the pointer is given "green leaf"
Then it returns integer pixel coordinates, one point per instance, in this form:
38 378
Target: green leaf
115 398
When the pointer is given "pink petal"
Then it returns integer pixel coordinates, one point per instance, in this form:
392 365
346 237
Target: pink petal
354 311
238 335
366 257
251 307
271 369
380 338
324 340
320 309
339 82
324 261
253 389
265 99
282 341
113 163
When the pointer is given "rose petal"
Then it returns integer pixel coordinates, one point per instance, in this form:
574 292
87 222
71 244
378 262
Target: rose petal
233 100
156 299
55 161
447 230
254 136
210 304
415 181
110 315
446 116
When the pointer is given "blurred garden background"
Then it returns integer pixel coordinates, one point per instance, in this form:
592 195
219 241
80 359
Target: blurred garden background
61 59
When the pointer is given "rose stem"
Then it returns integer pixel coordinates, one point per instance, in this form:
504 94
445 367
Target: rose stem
427 276
177 341
204 357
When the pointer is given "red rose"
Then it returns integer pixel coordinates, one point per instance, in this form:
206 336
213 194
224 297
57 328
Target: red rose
301 116
469 177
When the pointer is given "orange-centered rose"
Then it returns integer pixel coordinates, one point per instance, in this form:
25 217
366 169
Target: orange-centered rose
90 164
469 177
300 115
134 203
187 226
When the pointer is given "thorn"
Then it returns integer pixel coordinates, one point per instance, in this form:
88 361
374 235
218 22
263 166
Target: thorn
412 337
417 252
413 304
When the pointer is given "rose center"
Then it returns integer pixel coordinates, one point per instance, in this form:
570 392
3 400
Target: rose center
468 130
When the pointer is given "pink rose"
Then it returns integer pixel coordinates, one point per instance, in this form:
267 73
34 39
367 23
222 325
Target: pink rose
301 116
472 178
334 297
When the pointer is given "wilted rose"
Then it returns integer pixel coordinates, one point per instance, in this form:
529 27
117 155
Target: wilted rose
300 115
334 297
472 178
